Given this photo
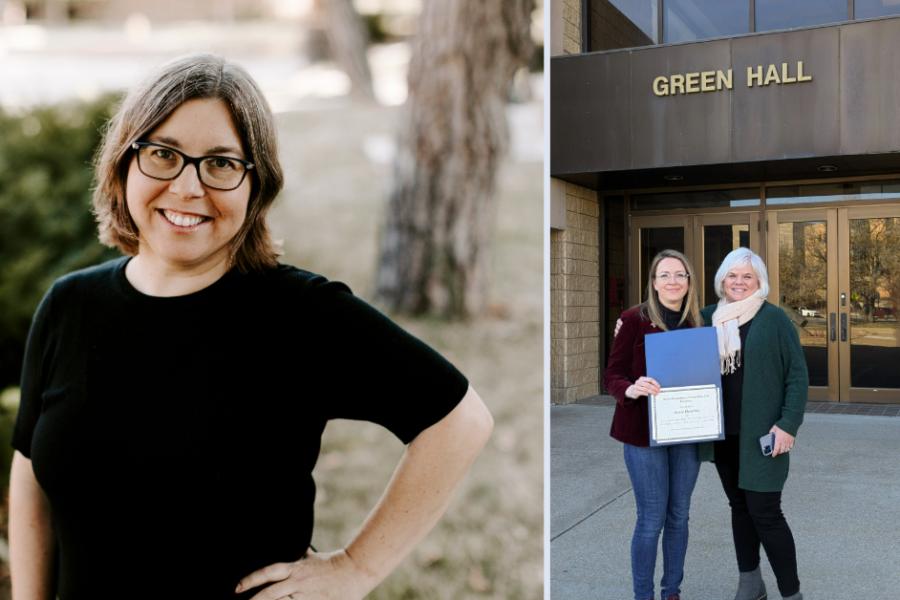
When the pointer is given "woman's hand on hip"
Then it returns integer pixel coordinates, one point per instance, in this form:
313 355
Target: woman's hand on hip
317 576
642 387
784 441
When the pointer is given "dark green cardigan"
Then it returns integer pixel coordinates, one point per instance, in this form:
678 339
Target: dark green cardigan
774 393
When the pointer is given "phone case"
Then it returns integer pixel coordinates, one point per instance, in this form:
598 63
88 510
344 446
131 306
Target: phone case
767 444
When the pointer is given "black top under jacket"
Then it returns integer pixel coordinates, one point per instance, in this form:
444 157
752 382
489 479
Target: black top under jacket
732 383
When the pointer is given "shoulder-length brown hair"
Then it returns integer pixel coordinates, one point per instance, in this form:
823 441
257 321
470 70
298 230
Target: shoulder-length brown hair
197 76
650 309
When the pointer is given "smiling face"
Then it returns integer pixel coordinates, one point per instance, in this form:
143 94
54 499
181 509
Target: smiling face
183 224
740 282
671 282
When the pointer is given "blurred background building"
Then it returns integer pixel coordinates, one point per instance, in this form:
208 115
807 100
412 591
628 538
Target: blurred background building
63 46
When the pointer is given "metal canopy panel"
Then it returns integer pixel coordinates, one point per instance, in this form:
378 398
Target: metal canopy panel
741 173
592 91
600 128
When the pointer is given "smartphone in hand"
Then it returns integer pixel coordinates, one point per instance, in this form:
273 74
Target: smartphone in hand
767 443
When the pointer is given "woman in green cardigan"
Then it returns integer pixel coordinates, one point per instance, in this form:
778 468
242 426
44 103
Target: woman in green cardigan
764 388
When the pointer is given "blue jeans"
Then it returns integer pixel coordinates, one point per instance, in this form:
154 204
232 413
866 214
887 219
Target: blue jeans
663 480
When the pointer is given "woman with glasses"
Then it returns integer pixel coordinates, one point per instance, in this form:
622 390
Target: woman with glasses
662 477
173 400
764 389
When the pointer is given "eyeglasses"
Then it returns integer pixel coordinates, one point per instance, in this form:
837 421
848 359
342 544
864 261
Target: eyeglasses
676 277
223 173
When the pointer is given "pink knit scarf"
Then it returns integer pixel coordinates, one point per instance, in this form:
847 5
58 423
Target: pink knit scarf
729 316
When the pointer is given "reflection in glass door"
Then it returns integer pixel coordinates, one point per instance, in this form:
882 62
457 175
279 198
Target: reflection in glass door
803 291
872 284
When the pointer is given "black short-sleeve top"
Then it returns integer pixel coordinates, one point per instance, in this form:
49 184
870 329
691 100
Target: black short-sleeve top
175 437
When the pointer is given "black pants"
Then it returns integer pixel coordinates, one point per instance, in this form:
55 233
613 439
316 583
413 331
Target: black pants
756 518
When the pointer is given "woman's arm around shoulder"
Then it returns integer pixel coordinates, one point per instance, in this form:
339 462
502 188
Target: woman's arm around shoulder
31 540
418 493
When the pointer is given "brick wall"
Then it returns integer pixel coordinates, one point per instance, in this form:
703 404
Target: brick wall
615 255
571 26
575 299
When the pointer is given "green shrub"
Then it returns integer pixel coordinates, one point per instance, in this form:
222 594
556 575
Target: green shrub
46 227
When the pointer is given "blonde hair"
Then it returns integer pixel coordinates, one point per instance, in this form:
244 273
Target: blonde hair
650 308
198 76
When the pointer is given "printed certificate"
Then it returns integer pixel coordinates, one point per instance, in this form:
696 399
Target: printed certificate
684 415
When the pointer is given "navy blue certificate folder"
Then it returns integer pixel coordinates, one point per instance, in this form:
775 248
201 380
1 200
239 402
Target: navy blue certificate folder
683 357
685 362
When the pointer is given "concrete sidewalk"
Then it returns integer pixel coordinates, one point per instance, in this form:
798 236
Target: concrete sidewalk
842 501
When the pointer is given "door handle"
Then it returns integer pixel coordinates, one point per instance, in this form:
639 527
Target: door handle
843 327
832 319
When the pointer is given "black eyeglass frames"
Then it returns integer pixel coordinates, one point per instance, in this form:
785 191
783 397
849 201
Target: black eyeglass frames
158 161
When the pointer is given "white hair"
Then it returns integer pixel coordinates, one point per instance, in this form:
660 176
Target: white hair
743 256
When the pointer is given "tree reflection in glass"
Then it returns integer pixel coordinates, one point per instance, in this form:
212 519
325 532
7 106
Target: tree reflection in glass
802 277
874 289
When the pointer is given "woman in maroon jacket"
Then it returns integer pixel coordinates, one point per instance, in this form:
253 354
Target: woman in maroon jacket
662 477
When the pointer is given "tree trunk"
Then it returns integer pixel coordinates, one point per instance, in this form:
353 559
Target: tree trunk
434 247
349 40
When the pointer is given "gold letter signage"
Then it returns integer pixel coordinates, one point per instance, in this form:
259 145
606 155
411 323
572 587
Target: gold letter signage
715 81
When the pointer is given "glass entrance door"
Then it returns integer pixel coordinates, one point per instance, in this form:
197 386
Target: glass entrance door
704 239
836 272
650 235
802 276
714 237
870 290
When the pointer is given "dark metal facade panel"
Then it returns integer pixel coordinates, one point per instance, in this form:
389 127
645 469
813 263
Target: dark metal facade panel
787 120
605 117
679 129
870 87
589 113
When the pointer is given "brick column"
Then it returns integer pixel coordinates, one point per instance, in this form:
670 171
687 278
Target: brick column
575 299
574 257
571 26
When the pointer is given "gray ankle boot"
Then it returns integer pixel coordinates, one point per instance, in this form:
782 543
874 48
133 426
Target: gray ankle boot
797 596
751 586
